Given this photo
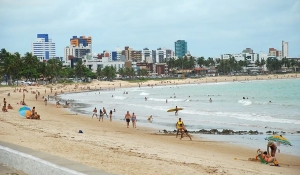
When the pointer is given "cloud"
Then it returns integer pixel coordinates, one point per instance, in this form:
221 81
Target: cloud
210 27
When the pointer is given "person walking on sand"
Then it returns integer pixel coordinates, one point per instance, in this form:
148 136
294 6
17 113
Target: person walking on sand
101 115
180 127
95 113
133 119
104 112
176 111
110 115
45 101
36 96
127 118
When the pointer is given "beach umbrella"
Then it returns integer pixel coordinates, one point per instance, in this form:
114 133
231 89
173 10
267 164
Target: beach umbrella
279 139
24 108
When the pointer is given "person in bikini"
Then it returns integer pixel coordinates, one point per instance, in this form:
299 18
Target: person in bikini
110 115
101 115
133 119
127 118
269 159
273 148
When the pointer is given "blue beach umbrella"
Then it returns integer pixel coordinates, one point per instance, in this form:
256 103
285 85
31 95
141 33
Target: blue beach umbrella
24 108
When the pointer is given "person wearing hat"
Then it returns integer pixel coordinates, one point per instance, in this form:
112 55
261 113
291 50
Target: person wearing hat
273 147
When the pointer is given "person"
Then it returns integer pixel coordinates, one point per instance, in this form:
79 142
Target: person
110 115
4 102
180 127
4 109
166 100
133 119
269 159
176 111
127 118
150 118
101 115
114 110
36 116
210 100
273 148
32 112
145 98
57 104
9 106
36 96
104 112
45 101
95 112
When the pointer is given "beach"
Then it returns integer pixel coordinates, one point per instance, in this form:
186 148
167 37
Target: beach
112 147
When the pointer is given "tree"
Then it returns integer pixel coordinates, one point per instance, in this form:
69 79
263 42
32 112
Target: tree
99 73
79 69
122 72
201 61
109 72
53 68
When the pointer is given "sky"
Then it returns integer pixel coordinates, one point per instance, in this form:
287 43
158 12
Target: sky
210 27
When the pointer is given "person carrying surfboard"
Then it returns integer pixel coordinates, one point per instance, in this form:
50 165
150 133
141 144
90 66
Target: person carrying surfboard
176 111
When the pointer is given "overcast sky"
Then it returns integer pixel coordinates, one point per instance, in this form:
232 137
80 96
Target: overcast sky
210 27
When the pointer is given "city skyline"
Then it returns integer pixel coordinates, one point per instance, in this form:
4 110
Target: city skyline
211 28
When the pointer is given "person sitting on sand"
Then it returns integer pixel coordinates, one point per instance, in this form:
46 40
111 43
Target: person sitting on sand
32 112
180 127
127 118
273 148
101 115
95 112
36 116
9 106
4 109
269 159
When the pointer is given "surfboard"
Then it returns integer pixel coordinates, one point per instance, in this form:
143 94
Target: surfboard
174 109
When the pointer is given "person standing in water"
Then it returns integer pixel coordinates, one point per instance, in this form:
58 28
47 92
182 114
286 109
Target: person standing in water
176 111
133 119
110 115
127 118
101 115
210 100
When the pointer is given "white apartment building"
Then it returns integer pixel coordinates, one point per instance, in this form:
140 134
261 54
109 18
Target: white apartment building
43 48
102 63
158 55
76 51
285 49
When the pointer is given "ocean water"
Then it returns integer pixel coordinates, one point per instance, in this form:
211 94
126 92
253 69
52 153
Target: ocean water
228 109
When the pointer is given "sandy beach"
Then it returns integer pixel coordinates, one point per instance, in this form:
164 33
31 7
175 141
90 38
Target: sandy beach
112 147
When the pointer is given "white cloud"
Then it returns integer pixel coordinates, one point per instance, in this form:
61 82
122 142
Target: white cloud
225 26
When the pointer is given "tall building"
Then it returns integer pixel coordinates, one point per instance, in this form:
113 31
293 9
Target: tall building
180 48
285 49
247 50
275 53
43 48
76 52
85 41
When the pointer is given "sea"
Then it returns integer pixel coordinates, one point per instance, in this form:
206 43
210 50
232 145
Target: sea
260 105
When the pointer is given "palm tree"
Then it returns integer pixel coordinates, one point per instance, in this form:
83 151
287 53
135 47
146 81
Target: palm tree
99 73
30 66
79 69
53 68
201 61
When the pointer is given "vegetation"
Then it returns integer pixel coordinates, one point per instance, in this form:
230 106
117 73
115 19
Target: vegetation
28 67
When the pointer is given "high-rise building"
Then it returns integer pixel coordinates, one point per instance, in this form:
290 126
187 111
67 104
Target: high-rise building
43 48
85 41
180 48
275 53
285 49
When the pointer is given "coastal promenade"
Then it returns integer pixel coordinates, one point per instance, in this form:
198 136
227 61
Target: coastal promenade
21 160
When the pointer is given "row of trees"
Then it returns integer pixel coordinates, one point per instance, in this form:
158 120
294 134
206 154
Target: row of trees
28 67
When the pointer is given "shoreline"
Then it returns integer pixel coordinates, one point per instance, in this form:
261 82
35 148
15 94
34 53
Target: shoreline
107 145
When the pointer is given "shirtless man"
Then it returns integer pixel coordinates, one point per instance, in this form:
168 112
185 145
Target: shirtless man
176 111
127 118
95 112
104 112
